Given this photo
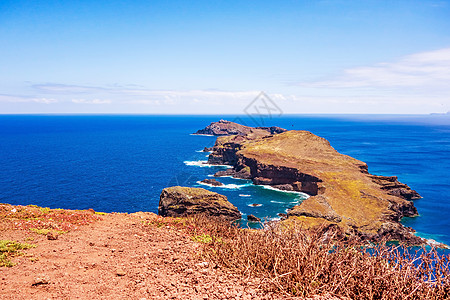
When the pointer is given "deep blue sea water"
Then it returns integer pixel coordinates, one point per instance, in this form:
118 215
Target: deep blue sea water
121 163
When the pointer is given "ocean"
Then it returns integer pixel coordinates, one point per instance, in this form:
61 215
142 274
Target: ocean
121 163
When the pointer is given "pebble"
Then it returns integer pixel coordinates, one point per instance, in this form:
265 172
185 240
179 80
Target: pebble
40 280
52 236
120 272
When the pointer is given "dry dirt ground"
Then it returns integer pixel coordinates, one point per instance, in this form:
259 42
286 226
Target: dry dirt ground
119 257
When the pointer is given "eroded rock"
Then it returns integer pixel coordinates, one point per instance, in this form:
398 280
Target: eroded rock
180 201
253 219
212 182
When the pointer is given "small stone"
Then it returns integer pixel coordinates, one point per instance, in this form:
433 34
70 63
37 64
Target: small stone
51 235
91 244
120 272
202 264
40 280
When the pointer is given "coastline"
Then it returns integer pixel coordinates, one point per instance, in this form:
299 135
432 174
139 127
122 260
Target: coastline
341 190
130 184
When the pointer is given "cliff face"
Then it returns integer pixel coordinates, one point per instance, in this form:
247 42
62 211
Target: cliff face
342 190
180 201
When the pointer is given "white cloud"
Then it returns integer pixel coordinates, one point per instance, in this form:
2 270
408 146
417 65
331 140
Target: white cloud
422 70
94 101
172 94
56 88
26 99
44 100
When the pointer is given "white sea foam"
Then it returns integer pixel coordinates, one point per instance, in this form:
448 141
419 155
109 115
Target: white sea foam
432 242
203 163
245 195
201 134
225 186
302 195
201 151
238 186
207 184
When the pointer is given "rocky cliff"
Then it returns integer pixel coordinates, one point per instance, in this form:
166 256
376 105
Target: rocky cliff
342 190
180 201
224 127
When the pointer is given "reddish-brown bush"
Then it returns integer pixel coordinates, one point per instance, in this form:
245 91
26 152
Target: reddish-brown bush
316 262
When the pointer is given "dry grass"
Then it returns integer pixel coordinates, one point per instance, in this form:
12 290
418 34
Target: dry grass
304 263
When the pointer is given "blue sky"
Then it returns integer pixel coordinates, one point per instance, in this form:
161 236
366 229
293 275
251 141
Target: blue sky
213 57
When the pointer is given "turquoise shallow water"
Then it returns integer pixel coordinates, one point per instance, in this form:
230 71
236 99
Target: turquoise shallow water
121 163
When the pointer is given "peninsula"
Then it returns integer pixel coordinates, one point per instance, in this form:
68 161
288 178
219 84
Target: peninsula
342 192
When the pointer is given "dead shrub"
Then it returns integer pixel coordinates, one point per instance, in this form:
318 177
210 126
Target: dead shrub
304 263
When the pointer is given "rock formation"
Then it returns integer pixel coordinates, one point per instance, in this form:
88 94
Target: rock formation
224 127
342 190
180 201
212 182
253 219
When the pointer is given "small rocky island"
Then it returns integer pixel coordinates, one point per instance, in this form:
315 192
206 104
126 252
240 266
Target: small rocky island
342 191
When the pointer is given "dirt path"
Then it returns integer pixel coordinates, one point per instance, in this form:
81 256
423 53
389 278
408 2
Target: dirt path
118 258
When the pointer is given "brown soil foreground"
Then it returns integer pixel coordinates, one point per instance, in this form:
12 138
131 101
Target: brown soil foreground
118 256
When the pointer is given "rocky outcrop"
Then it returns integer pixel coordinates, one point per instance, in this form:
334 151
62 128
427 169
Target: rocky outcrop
253 219
394 187
316 207
342 190
212 182
180 201
224 127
